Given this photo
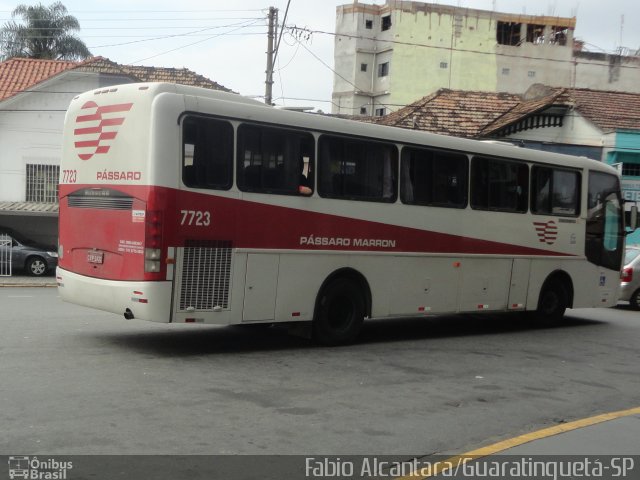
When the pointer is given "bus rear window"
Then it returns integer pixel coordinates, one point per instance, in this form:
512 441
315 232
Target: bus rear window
357 169
207 153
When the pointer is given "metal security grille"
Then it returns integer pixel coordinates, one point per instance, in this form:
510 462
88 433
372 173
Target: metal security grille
42 183
5 255
631 169
206 275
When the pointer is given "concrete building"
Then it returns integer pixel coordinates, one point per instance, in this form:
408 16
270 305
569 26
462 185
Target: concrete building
387 56
34 95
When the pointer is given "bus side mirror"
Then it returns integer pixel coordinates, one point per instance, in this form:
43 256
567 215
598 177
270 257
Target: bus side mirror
633 217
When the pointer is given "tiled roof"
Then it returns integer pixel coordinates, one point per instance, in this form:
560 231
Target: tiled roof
19 74
453 112
183 76
608 110
481 114
526 107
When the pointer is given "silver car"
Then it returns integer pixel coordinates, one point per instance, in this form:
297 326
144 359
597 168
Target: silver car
630 278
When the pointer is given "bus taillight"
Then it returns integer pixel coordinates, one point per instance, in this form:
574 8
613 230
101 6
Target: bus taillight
153 242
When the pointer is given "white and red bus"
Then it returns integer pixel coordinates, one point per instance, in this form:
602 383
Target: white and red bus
180 204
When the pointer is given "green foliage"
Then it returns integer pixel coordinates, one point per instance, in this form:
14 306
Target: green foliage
42 32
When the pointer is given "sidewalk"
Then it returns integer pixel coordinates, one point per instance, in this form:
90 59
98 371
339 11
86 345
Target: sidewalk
615 437
603 446
21 280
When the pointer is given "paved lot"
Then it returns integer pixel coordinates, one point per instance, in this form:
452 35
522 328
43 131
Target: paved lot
77 381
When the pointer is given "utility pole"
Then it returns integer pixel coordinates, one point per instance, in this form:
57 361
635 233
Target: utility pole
273 22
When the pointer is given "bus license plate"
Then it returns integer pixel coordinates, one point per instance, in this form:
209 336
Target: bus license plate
95 257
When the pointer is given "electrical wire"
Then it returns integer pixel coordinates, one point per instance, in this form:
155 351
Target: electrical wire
455 49
242 24
323 62
187 45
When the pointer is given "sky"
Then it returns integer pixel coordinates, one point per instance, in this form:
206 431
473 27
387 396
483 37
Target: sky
227 41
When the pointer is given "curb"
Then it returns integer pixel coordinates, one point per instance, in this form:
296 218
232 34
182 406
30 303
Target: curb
499 447
22 281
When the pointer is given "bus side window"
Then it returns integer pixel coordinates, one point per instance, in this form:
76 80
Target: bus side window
272 160
566 188
499 185
541 190
354 169
207 153
555 191
431 177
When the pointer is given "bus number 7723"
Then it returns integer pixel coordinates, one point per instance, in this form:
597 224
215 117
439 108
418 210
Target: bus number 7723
198 218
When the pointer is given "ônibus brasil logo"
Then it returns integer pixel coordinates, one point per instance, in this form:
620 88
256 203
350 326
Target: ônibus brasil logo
97 127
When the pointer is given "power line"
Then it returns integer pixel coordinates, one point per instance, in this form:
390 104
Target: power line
187 45
573 61
322 61
143 27
39 110
115 11
241 25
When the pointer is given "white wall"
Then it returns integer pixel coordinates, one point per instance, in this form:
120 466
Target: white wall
31 127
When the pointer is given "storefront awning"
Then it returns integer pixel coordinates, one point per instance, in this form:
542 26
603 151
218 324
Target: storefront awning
29 208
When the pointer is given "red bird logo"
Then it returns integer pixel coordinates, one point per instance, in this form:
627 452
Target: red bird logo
99 125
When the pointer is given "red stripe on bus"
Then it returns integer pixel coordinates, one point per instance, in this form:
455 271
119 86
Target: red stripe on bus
87 143
121 107
252 225
87 130
88 118
110 122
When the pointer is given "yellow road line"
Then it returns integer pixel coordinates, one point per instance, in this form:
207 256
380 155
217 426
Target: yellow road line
516 441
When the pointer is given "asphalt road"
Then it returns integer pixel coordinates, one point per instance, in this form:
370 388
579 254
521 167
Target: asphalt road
77 381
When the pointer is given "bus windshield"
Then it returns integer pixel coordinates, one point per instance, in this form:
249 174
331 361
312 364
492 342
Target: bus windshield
605 236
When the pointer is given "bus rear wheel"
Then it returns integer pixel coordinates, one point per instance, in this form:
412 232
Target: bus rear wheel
553 302
339 313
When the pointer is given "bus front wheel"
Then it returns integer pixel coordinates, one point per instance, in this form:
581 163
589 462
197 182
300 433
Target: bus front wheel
339 313
553 301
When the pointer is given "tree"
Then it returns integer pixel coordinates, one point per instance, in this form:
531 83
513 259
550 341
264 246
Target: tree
43 32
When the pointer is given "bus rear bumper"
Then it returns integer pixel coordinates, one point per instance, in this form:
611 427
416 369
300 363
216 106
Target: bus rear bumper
141 300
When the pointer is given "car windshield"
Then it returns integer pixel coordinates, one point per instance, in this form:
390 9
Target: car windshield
630 255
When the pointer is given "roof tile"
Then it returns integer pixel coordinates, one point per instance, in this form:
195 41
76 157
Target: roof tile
20 74
474 114
453 112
